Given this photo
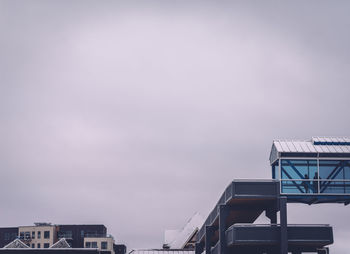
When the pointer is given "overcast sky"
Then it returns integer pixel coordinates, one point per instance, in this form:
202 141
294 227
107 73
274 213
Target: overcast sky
138 114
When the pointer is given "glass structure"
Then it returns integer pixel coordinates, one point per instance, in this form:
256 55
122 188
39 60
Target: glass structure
317 167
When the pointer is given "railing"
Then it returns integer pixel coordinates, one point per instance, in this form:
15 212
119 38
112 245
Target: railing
315 187
274 225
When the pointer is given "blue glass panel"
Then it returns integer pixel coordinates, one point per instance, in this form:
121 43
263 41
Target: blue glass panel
347 170
298 187
332 169
298 169
334 187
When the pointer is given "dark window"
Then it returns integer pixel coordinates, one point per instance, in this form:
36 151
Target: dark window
7 236
88 245
38 245
33 234
82 233
21 235
46 234
104 245
46 245
13 236
39 236
94 245
33 245
27 235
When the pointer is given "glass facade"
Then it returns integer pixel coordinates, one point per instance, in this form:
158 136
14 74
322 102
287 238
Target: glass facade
313 176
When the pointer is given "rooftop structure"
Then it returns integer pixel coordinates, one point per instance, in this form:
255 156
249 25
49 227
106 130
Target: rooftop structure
229 227
16 244
185 237
62 243
313 171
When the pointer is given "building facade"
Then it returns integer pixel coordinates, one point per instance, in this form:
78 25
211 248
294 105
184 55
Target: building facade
44 235
41 235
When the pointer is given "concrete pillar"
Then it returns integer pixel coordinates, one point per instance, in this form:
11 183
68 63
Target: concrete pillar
223 213
283 225
208 236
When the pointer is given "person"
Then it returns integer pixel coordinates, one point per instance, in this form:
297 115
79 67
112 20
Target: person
306 183
315 183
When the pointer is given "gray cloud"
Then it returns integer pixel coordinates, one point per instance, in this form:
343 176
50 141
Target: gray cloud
137 115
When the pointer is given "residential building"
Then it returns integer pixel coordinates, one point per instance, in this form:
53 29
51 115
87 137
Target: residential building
7 235
41 235
105 242
44 235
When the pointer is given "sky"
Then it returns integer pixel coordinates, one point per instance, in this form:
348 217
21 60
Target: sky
138 114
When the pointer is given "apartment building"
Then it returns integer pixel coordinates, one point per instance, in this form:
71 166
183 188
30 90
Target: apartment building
41 235
44 235
104 243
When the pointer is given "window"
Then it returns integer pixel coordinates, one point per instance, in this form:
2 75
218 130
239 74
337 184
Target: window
21 235
27 235
104 245
46 234
46 245
298 169
13 236
33 234
39 236
82 233
33 245
88 245
7 236
38 245
94 245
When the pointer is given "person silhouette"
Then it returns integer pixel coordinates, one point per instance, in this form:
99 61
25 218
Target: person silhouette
315 183
306 183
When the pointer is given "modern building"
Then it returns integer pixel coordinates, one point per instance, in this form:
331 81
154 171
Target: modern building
312 172
7 235
75 234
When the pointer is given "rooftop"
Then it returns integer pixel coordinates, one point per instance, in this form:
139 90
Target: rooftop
315 146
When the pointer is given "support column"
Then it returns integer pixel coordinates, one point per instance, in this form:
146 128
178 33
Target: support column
208 236
272 215
283 225
223 213
197 248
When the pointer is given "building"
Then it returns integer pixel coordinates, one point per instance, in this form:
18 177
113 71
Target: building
312 172
60 247
44 235
75 234
41 235
319 167
7 235
105 242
